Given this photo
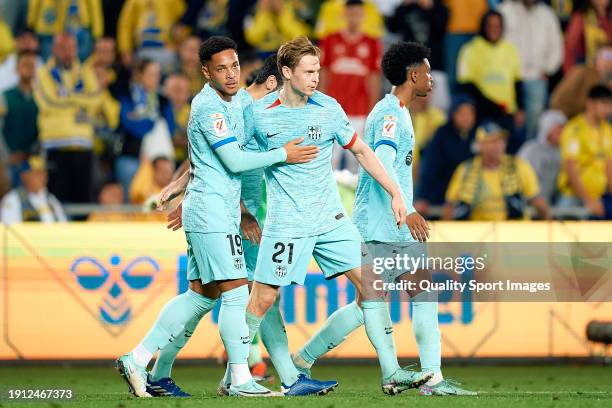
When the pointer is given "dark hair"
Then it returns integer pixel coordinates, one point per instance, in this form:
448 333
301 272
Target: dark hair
599 92
401 57
215 44
26 53
142 65
354 3
269 68
485 18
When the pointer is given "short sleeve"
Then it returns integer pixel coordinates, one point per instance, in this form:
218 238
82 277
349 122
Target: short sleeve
452 192
529 180
385 130
570 143
345 133
215 126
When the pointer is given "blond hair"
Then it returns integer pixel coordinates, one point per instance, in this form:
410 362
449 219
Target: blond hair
291 52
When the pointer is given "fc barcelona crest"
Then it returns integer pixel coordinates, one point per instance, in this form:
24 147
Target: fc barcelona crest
314 132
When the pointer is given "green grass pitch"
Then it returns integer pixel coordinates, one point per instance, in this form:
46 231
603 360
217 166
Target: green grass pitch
514 386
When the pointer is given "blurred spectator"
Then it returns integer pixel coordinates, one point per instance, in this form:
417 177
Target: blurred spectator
350 73
534 29
106 142
571 94
189 64
81 18
489 70
151 177
111 195
493 186
330 19
543 153
205 18
451 145
144 30
273 23
7 43
464 22
426 119
18 110
15 14
176 89
26 41
104 56
237 10
144 113
588 29
586 154
32 201
68 96
422 21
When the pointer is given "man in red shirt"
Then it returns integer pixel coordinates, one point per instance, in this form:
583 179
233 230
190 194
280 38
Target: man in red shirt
350 72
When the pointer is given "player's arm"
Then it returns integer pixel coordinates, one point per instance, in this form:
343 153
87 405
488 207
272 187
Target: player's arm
372 165
237 160
419 229
249 225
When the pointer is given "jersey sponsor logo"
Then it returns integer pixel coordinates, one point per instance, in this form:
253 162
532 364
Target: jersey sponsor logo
409 158
272 135
281 271
389 127
314 132
220 127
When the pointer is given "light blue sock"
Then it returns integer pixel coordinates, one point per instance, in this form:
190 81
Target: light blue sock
167 355
427 331
338 326
253 322
232 326
173 319
274 337
380 332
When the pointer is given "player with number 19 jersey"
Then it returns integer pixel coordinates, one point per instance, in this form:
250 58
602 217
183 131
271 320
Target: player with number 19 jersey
211 210
305 216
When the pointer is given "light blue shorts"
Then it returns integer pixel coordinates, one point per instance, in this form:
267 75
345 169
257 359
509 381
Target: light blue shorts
214 257
284 261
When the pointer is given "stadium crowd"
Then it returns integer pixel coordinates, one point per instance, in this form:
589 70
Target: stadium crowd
95 95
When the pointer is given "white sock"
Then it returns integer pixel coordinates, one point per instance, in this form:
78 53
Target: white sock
240 374
142 356
437 378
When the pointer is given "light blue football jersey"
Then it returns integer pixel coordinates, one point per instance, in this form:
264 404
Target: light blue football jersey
389 123
252 180
302 199
212 199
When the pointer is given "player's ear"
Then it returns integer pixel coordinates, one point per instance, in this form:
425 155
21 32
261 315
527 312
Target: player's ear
205 72
271 83
286 72
414 75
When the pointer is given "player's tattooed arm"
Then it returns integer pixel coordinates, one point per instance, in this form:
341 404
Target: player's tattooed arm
249 225
370 163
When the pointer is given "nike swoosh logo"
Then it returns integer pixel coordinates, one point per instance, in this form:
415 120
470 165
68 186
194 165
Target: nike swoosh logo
272 135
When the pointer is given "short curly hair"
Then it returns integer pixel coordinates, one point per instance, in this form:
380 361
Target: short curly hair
401 57
270 67
214 45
